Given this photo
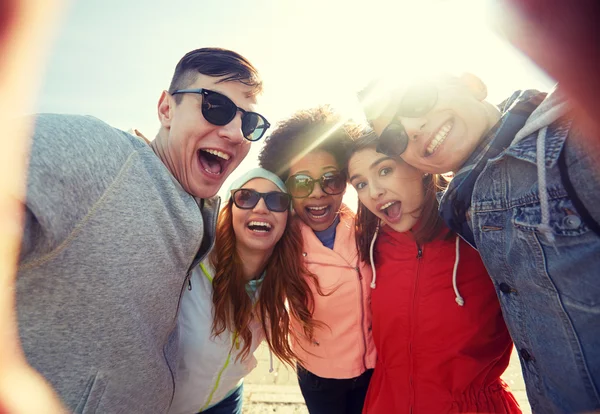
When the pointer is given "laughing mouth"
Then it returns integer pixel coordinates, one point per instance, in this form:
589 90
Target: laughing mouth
392 209
213 161
440 137
259 226
318 211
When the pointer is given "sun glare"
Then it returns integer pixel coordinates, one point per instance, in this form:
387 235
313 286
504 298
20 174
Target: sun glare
325 52
338 46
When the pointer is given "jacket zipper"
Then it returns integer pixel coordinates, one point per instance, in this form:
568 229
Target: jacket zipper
410 346
187 281
212 393
235 342
362 318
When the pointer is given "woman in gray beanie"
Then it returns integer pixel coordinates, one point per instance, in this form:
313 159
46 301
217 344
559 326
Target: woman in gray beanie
237 297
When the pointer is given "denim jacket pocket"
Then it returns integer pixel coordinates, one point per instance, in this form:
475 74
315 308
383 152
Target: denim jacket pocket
564 219
570 261
94 390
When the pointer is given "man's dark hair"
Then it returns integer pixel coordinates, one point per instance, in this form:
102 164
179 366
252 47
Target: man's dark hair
215 62
306 131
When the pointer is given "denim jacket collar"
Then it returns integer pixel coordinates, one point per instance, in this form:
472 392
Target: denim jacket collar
556 135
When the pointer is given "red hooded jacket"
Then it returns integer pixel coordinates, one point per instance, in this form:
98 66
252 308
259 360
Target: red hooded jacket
433 355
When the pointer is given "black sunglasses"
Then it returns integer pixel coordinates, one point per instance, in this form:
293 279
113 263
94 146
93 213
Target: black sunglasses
247 199
220 110
414 102
302 185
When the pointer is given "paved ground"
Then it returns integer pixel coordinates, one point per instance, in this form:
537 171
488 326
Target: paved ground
278 392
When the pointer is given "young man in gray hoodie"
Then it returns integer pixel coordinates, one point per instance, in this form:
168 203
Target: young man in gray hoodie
525 192
113 226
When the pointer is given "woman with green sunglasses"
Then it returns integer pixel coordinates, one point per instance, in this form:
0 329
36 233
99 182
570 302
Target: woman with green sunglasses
308 152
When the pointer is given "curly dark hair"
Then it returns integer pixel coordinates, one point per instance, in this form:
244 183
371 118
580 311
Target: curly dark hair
308 130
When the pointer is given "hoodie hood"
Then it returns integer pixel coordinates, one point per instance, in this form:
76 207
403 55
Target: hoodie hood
552 108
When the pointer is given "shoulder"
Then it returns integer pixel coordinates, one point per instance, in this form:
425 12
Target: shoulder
302 227
80 130
73 161
66 142
347 219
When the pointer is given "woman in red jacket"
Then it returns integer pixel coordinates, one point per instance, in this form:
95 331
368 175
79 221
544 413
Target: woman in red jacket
440 338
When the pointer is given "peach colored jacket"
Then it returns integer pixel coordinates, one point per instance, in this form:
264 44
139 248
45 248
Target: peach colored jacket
344 348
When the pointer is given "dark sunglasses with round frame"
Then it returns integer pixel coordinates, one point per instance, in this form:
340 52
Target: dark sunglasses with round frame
413 103
247 199
219 110
302 185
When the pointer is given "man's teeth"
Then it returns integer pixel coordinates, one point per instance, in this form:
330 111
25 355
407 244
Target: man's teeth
439 138
217 153
317 208
386 205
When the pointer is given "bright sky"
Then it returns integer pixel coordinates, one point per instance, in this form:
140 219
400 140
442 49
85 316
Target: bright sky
113 58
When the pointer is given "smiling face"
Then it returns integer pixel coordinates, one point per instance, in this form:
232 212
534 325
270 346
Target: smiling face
389 188
442 139
258 229
319 209
199 154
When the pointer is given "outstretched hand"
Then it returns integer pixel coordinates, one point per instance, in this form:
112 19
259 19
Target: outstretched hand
24 29
561 37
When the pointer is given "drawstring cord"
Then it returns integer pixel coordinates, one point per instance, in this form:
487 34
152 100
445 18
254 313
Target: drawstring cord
459 299
373 284
544 226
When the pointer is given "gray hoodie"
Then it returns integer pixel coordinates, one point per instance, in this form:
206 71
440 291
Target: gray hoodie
109 239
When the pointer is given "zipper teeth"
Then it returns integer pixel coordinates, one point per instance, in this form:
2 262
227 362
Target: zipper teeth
411 382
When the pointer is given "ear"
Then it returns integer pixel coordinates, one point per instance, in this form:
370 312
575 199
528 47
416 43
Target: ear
474 85
165 109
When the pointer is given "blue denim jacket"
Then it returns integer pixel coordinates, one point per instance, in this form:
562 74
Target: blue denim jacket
548 284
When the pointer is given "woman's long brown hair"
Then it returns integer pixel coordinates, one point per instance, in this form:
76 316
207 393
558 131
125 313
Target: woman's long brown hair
286 280
430 223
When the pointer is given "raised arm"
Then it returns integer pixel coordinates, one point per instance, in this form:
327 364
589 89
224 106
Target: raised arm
24 29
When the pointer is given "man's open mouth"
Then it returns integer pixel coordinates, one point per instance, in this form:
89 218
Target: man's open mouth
440 137
213 161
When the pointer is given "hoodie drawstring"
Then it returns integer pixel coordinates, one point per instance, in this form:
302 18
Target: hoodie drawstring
544 226
550 110
373 285
270 361
459 299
